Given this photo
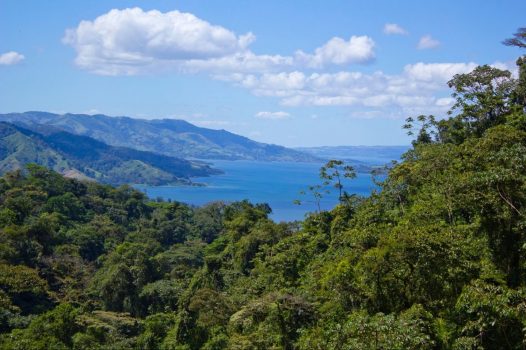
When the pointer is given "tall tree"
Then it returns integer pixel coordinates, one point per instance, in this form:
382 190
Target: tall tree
335 171
518 40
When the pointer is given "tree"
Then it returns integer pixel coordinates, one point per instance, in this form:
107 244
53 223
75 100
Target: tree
335 171
155 329
492 316
208 221
482 98
518 40
332 173
426 132
25 287
520 91
317 192
124 273
410 330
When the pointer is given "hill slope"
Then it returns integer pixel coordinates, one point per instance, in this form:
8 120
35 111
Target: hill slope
84 157
164 136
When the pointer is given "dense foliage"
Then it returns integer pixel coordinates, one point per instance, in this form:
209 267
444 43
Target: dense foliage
436 259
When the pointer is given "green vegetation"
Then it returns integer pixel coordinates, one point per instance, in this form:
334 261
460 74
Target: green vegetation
436 259
85 158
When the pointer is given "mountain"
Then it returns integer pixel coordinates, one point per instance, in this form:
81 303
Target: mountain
86 158
170 137
369 155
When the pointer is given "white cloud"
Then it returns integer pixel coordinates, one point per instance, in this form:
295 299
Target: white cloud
210 123
133 41
394 29
510 65
10 58
437 72
281 81
427 42
358 49
272 115
445 102
245 62
419 88
123 41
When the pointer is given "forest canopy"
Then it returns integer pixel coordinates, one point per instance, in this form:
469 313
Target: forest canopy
435 259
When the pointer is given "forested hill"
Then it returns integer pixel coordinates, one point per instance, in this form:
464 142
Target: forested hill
170 137
85 158
436 259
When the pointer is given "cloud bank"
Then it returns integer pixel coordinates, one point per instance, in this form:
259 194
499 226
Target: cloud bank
133 41
415 87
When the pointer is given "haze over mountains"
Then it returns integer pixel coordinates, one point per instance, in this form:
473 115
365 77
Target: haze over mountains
120 150
371 155
170 137
86 158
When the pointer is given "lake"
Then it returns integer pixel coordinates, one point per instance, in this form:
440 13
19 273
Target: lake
275 183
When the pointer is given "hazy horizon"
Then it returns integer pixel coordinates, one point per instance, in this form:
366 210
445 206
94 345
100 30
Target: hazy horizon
352 81
161 118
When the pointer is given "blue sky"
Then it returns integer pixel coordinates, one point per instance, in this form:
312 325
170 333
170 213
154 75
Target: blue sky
296 73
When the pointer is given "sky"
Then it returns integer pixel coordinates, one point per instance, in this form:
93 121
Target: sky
294 73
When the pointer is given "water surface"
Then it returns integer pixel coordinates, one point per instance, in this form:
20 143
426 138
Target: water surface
275 183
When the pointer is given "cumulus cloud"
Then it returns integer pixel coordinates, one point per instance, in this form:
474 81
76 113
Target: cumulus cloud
10 58
427 42
416 89
437 72
123 41
358 49
133 41
337 51
394 29
272 115
243 62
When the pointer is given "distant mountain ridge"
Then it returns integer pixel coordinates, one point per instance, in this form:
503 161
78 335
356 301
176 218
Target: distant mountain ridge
170 137
369 155
86 158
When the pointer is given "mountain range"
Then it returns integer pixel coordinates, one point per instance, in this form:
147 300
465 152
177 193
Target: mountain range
368 155
171 137
120 150
86 158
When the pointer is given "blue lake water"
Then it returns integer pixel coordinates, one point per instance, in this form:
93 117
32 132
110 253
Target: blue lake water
275 183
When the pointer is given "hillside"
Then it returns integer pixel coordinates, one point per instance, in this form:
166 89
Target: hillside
86 158
170 137
435 259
